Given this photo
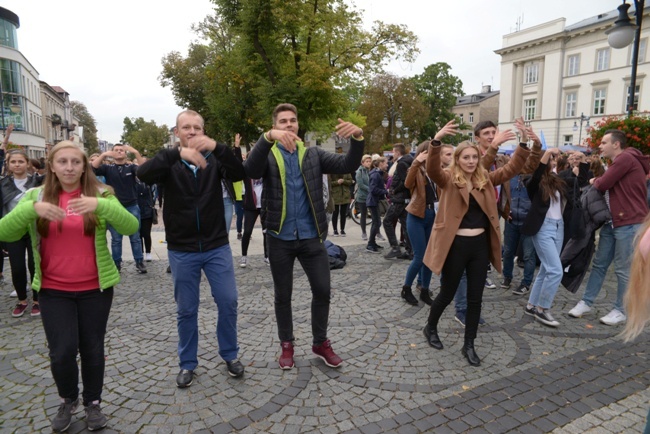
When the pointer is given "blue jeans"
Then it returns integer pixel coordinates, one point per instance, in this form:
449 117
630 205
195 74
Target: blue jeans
615 244
548 245
136 241
186 273
228 207
239 211
511 237
460 299
419 231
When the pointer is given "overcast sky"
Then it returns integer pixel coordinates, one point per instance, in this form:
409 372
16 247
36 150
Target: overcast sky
108 54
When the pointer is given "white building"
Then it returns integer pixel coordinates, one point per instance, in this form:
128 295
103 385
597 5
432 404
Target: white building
556 76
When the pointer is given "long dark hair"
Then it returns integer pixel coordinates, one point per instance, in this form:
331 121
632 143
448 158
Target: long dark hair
550 184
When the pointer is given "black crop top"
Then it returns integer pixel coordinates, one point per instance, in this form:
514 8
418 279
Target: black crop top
475 218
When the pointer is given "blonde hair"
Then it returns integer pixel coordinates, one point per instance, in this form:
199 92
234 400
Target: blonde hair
480 175
637 297
366 157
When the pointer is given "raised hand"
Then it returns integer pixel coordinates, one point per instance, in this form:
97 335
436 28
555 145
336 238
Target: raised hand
450 129
346 129
286 138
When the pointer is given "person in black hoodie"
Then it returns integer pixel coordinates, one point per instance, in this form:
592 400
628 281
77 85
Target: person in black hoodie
399 197
197 237
376 192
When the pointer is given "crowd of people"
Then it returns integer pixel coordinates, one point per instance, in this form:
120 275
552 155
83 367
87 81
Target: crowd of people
448 202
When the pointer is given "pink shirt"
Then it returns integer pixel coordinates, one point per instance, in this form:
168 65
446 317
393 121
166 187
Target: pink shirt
68 260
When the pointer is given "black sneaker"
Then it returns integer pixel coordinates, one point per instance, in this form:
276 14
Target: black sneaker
95 419
546 318
185 378
140 267
507 281
169 268
119 267
530 311
239 236
235 368
394 253
460 317
63 417
372 249
521 289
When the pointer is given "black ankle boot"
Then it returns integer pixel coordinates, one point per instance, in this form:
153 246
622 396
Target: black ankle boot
469 353
425 296
408 296
431 333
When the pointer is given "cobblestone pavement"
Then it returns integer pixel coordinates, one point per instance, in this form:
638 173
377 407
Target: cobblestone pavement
577 378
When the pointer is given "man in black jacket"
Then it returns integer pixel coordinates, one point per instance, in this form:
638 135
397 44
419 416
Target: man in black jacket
399 197
294 213
197 238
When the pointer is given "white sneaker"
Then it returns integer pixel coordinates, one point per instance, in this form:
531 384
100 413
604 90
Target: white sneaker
147 257
13 294
579 310
614 317
380 237
266 261
243 262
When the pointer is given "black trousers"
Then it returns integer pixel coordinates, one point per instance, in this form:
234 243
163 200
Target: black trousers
396 212
469 254
145 233
315 262
75 322
374 227
340 213
17 250
250 217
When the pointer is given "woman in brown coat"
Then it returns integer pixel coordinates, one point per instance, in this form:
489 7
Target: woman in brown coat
466 230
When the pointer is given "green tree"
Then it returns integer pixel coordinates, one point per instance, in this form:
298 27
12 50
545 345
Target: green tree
147 137
389 96
87 121
265 52
439 89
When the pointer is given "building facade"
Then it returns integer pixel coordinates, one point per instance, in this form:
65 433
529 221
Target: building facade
472 109
562 78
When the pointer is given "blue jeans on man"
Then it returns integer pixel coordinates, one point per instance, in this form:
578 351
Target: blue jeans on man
136 241
512 236
617 245
218 268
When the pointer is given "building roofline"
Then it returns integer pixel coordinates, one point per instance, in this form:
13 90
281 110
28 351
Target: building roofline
6 14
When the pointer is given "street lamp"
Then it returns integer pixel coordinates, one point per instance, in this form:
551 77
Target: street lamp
583 118
393 117
622 34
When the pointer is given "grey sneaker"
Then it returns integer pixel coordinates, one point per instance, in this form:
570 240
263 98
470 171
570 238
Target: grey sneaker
140 268
364 237
95 419
63 417
243 262
521 289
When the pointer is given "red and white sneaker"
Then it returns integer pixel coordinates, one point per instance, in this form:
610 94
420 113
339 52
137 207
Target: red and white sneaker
286 358
325 352
19 310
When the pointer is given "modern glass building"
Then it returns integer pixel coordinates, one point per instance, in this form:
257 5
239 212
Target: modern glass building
10 77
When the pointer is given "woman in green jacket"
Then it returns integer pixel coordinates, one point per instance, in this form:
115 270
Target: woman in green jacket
74 273
340 193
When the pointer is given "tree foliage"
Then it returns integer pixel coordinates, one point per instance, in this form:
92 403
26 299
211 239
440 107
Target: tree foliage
635 127
438 88
259 53
87 121
147 137
391 97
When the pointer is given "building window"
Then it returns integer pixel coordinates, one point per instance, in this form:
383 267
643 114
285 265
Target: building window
602 59
461 118
529 109
531 73
568 139
471 136
571 99
573 67
599 101
635 104
643 43
471 118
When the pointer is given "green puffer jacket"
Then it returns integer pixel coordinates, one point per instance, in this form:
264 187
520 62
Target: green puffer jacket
109 210
340 192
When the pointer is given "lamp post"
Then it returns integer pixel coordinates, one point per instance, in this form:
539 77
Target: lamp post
393 117
583 118
622 34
